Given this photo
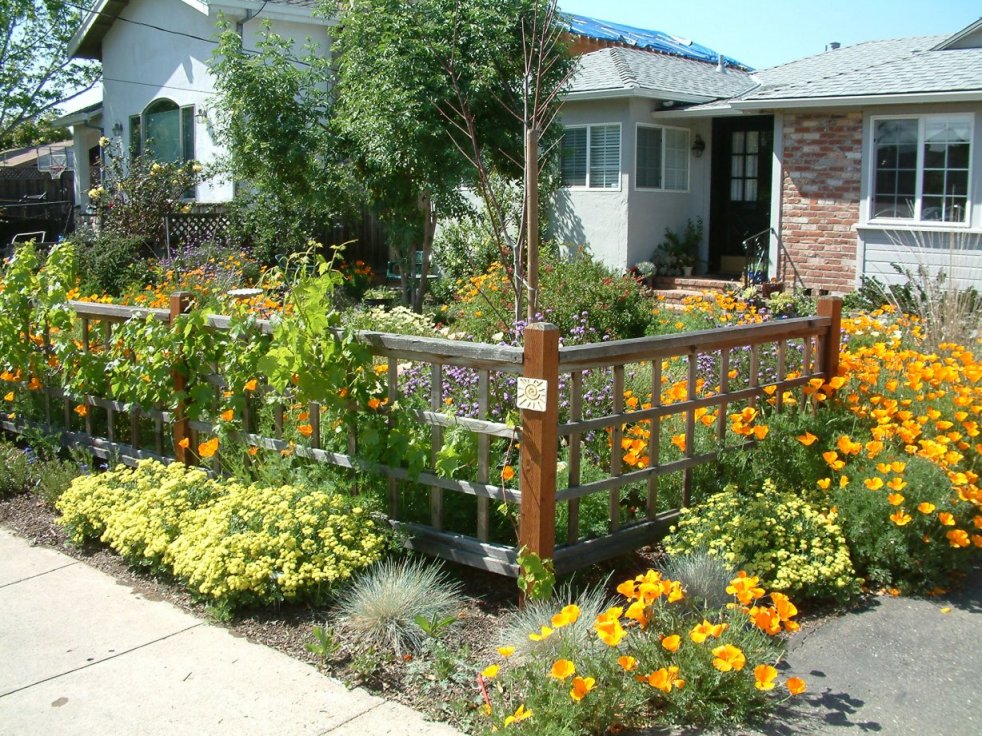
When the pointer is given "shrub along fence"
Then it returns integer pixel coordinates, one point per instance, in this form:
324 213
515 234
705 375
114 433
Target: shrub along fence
657 385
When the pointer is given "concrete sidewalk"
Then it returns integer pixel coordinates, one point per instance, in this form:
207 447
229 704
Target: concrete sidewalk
81 654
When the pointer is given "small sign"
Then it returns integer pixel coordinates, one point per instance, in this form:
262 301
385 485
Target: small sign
532 393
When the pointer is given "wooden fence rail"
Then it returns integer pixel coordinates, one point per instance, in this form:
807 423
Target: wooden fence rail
631 488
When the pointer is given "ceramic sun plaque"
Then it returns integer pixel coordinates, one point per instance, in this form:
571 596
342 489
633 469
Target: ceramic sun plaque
532 394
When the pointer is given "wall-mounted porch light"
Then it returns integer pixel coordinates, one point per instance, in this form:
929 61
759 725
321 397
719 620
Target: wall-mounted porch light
698 146
118 129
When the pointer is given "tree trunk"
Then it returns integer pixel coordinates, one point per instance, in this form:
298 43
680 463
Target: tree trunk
429 230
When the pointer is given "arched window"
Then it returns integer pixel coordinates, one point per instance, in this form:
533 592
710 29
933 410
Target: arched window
164 131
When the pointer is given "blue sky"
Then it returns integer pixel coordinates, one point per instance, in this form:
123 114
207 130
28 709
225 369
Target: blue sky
764 33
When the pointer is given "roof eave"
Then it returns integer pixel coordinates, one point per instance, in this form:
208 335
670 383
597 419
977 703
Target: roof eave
644 92
79 117
87 41
787 103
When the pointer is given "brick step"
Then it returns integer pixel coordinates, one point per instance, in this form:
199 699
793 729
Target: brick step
696 283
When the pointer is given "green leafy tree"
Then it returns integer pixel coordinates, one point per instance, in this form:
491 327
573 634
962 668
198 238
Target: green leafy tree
273 109
36 72
437 94
35 132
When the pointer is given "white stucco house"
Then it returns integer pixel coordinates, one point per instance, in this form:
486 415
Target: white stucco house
156 83
825 159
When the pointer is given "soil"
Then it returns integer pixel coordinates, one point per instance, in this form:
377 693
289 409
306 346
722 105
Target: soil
488 599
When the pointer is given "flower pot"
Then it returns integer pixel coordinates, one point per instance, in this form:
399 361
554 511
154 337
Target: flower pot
686 270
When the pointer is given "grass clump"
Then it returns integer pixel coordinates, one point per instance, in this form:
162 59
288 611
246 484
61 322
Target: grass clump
379 610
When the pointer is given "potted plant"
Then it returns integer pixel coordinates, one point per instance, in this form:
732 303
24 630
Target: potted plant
678 253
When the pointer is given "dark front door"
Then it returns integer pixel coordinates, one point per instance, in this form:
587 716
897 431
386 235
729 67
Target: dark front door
740 204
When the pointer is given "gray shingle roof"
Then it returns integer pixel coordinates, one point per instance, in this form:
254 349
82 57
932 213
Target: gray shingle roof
898 66
616 69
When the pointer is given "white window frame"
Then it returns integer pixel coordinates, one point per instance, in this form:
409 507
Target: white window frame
688 167
916 220
620 156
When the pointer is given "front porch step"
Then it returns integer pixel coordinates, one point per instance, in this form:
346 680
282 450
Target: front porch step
696 284
674 298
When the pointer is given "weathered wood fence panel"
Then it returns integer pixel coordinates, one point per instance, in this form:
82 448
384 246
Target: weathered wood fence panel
697 368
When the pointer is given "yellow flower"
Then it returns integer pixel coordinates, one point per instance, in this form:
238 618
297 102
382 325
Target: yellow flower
807 439
305 429
561 669
208 448
228 415
728 657
925 507
900 517
895 499
251 385
184 443
608 627
581 686
874 484
795 685
9 396
507 473
544 634
627 663
701 632
518 716
946 518
567 616
506 651
824 483
958 538
764 676
82 410
672 642
490 672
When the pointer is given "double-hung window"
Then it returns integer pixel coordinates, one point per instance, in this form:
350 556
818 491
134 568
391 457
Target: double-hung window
662 158
921 168
591 157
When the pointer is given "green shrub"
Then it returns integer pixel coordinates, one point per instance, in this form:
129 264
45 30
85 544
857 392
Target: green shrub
15 471
54 478
793 546
109 263
231 543
379 610
894 536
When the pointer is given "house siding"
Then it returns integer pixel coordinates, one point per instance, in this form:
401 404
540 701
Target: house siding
820 196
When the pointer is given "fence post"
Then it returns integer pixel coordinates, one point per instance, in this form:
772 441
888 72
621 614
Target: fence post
537 522
180 303
831 307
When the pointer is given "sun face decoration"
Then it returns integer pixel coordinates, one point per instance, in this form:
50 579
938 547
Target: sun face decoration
532 394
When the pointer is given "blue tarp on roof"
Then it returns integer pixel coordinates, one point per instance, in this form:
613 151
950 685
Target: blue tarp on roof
647 40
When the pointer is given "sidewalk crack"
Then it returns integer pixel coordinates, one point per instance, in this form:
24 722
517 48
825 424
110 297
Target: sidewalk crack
105 659
46 572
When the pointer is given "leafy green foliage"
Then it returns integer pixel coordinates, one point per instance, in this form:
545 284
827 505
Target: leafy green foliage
137 192
36 72
537 577
273 107
16 475
111 262
325 644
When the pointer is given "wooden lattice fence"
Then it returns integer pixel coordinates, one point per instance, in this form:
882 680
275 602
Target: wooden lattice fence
689 377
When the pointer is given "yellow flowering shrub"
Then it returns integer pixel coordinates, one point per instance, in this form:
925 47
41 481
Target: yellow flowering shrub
791 544
231 543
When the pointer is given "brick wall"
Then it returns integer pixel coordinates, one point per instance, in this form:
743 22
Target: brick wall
820 197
